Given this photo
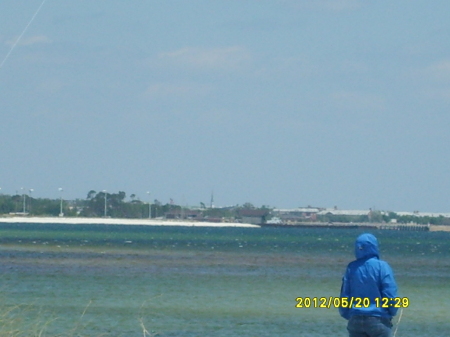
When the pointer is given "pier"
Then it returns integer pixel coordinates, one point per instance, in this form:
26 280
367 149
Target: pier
407 227
363 225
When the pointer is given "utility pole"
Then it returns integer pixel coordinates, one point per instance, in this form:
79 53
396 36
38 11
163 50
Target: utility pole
149 206
24 201
61 214
104 191
30 199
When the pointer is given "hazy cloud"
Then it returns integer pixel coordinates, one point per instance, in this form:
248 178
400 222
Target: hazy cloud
27 41
211 58
440 70
330 5
360 101
180 90
438 94
50 86
432 81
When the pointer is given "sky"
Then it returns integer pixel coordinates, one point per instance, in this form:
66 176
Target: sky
283 103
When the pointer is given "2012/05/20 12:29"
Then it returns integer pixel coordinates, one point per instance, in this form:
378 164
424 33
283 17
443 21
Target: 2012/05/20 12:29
352 302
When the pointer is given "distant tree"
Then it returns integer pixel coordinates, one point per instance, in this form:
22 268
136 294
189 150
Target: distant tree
7 204
116 206
248 205
121 195
91 194
375 216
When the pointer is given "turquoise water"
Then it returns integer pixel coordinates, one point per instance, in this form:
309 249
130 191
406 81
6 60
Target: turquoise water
186 281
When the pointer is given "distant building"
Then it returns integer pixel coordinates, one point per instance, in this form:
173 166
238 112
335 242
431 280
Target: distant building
334 211
299 214
253 216
184 214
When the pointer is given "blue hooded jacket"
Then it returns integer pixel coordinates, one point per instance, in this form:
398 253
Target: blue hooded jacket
368 277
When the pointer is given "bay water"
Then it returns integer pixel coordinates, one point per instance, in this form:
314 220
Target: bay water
97 280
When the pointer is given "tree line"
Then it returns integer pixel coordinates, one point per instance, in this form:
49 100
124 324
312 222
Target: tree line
96 204
114 205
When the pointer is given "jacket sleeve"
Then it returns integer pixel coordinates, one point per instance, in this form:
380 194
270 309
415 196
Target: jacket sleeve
389 287
345 292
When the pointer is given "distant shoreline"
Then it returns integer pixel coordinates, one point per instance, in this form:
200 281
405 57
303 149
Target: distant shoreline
117 221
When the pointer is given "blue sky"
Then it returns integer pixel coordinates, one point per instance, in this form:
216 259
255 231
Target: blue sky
282 103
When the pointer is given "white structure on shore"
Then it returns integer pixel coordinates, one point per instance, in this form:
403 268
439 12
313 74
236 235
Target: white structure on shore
116 221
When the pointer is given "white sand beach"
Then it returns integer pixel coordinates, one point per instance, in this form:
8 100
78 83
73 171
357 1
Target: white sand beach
115 221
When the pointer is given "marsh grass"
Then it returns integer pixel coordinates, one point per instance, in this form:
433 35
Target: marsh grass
30 321
16 321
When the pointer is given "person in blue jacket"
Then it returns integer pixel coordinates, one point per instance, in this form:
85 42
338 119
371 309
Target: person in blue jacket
369 286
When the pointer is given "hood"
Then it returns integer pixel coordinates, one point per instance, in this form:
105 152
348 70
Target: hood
366 245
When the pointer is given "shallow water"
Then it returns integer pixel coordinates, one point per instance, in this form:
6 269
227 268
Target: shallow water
117 280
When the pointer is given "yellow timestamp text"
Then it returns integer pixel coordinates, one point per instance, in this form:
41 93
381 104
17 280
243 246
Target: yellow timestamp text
351 302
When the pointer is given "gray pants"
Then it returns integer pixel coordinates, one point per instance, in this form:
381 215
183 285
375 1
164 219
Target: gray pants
368 326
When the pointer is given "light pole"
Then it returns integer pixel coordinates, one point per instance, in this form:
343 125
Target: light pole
104 191
29 202
149 206
61 214
24 202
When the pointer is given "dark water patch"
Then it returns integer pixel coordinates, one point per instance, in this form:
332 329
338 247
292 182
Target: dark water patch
299 241
164 237
120 261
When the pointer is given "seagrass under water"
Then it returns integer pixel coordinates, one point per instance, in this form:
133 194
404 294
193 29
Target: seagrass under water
120 281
